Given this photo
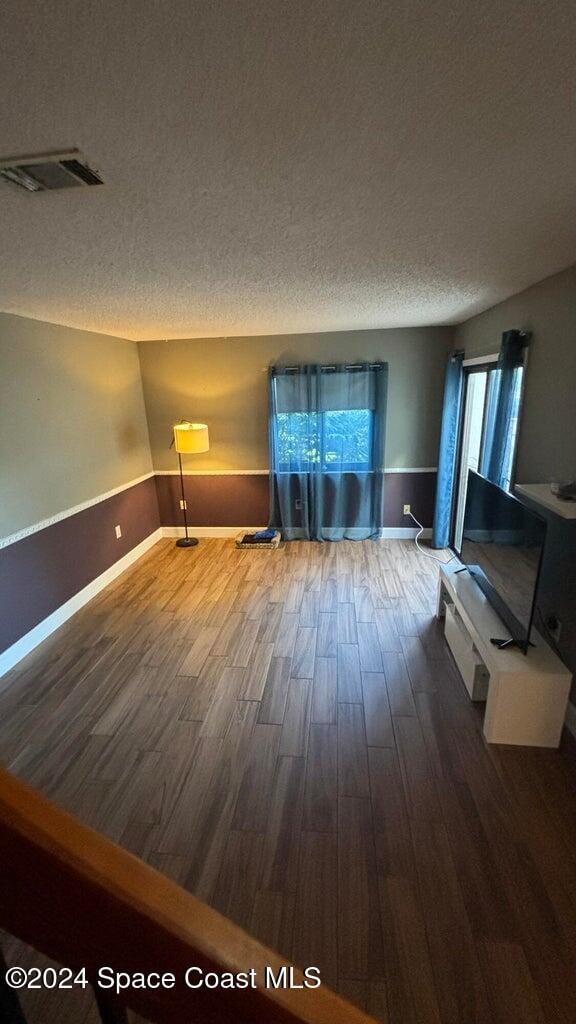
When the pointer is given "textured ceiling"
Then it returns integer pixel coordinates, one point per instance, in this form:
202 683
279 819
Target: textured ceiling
277 167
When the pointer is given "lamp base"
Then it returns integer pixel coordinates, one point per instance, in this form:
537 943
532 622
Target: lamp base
186 542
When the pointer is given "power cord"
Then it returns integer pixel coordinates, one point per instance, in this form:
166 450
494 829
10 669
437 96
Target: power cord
441 561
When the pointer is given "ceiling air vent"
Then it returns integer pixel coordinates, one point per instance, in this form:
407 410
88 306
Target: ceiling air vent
49 171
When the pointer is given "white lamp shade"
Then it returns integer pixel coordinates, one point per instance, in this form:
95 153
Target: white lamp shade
191 438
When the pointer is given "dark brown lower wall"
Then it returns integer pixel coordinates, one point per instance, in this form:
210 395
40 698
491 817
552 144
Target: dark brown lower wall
415 489
43 571
237 500
241 500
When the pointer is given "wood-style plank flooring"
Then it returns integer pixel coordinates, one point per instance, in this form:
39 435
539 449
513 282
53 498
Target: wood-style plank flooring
284 733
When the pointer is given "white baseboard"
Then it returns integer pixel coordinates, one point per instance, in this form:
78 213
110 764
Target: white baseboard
570 720
35 636
209 531
404 533
387 532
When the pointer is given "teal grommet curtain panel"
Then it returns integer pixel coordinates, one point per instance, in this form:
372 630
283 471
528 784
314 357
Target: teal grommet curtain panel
449 431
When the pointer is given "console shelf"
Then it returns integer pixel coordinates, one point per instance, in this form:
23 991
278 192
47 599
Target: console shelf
542 495
526 694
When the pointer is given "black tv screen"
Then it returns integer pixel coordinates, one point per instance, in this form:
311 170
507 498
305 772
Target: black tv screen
502 546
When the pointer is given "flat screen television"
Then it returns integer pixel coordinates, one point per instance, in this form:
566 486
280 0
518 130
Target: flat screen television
502 548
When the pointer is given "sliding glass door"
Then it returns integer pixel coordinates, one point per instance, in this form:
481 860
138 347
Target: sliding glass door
481 389
471 442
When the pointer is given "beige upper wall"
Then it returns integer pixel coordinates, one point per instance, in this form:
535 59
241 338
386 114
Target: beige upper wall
223 382
72 419
547 441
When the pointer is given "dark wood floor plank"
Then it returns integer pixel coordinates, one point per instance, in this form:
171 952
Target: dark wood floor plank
243 644
349 679
201 689
256 673
352 752
316 918
398 684
360 950
484 891
369 647
255 793
283 828
266 920
421 792
387 630
309 609
230 628
202 824
269 623
304 653
431 633
512 992
418 665
286 635
346 624
379 729
294 737
328 598
275 694
327 635
393 838
236 886
364 605
199 651
321 793
195 789
324 691
369 996
535 822
404 620
409 974
460 987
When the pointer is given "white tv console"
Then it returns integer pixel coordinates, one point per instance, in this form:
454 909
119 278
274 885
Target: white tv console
526 694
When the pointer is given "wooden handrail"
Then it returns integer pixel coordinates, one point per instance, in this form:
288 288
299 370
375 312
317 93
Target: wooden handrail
85 902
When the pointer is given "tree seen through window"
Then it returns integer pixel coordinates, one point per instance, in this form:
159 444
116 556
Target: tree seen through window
340 439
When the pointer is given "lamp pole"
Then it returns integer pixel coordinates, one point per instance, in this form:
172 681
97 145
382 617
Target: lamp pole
186 541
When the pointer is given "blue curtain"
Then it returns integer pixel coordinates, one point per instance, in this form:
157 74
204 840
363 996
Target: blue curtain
502 410
327 436
445 481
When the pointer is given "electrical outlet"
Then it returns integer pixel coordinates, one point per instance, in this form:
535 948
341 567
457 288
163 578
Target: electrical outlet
118 532
183 505
407 510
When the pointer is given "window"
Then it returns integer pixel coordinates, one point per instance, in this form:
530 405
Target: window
338 439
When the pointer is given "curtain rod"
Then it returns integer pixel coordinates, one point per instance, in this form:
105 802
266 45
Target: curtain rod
340 366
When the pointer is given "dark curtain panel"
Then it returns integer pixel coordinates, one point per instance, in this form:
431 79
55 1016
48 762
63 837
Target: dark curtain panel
446 476
502 409
327 435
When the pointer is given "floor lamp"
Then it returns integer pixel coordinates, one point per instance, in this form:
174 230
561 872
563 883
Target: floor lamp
189 439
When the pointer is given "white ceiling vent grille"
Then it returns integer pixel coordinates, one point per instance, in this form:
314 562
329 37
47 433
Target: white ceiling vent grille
49 171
